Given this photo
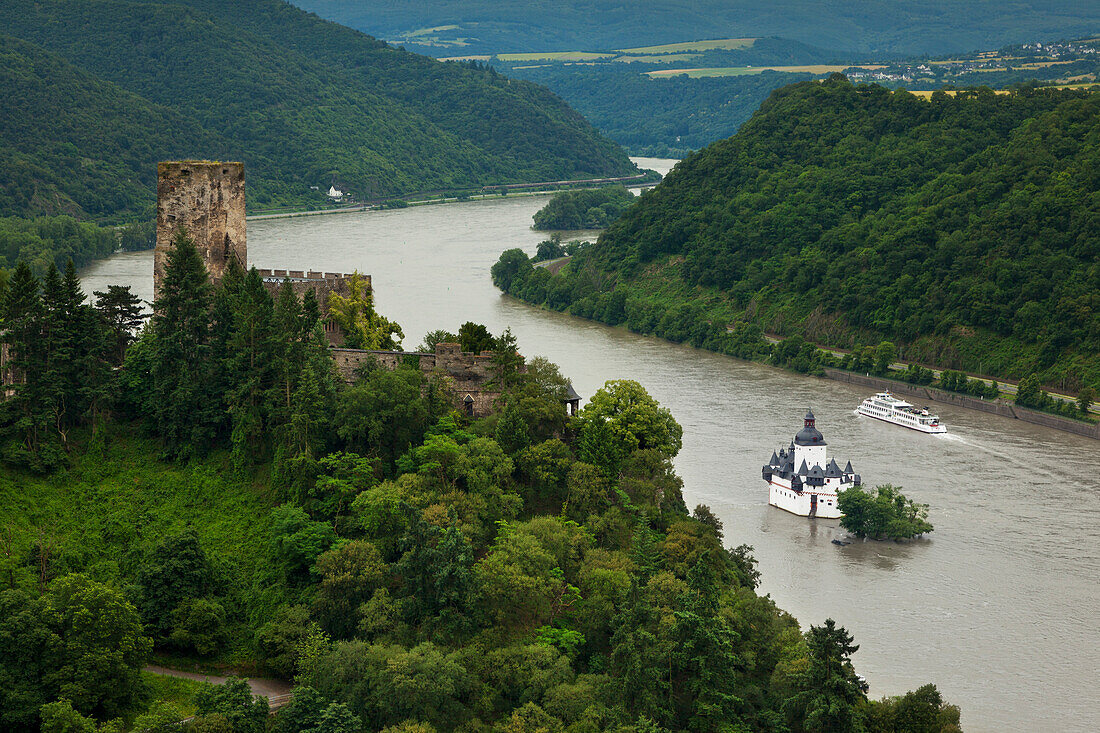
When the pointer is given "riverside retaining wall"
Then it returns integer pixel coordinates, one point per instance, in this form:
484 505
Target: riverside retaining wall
997 407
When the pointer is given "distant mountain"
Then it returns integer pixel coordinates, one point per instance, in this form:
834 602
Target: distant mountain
303 102
962 228
454 27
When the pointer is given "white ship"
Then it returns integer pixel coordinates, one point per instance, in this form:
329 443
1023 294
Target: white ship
889 408
802 481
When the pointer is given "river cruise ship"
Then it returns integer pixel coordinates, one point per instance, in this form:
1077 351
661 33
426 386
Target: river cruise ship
803 480
888 408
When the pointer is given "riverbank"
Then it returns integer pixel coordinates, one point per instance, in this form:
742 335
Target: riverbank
540 188
996 407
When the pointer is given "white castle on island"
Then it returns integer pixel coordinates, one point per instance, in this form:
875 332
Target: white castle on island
802 481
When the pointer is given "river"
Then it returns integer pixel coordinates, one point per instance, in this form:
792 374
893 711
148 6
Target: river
999 606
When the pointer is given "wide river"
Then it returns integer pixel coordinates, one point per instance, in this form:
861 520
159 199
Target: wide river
1000 607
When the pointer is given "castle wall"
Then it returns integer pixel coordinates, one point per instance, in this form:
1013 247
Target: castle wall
466 374
207 199
321 284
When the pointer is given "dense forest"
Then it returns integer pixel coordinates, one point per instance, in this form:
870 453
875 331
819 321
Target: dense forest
447 28
667 117
589 209
225 498
109 87
961 228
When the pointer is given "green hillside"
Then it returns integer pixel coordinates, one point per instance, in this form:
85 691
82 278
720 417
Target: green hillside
73 143
302 101
962 228
448 28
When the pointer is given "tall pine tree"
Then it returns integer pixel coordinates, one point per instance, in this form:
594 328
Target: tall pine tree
180 403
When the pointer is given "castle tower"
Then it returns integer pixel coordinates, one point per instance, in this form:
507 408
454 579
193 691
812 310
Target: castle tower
206 198
809 445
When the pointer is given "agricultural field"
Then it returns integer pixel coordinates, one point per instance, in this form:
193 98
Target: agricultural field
723 44
746 70
554 56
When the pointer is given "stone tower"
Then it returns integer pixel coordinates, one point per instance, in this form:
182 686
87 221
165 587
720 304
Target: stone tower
206 198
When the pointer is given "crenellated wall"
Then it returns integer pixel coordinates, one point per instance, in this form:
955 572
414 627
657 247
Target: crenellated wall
468 375
322 284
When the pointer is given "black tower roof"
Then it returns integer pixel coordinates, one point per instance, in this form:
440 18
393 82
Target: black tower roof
848 468
809 435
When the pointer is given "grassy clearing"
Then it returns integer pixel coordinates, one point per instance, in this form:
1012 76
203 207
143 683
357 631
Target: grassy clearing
554 56
746 70
725 44
175 690
476 57
427 31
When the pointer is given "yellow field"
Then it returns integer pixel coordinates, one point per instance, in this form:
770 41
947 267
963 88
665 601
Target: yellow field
1042 64
554 56
666 59
746 70
725 44
927 93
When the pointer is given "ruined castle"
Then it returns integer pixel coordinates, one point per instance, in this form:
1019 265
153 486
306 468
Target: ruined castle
207 200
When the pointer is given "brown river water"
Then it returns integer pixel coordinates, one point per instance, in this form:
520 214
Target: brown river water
1000 606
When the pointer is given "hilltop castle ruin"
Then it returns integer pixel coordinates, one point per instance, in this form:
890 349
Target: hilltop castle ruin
207 200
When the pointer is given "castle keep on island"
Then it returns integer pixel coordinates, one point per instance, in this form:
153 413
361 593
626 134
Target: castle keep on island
207 200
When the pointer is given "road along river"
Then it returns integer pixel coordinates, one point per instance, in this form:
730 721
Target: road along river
1000 607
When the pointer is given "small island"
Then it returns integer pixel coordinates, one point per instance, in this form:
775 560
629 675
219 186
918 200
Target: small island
882 513
587 209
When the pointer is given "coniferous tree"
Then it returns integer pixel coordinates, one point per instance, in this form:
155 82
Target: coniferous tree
828 692
249 366
87 374
120 311
181 407
28 414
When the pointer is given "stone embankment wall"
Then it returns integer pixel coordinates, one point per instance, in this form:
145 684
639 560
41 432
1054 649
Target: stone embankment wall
467 375
997 407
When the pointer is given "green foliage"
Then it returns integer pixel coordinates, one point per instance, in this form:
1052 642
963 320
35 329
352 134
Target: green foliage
198 624
621 418
921 711
827 693
363 327
303 101
475 338
586 209
177 571
233 701
297 541
57 239
82 642
882 513
838 213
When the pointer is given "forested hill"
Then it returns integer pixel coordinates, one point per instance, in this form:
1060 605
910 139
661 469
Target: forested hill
73 143
964 228
450 28
302 101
